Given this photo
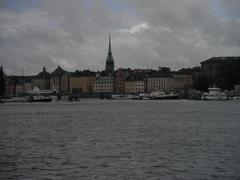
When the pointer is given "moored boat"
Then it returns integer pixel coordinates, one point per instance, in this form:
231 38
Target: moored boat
214 94
37 95
119 97
40 99
16 99
236 98
144 96
134 97
163 95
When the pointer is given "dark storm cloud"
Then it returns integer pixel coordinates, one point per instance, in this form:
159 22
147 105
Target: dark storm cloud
177 33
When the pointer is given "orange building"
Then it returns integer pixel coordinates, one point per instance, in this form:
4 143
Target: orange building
82 82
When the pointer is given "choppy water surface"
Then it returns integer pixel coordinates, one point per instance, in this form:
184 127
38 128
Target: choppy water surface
104 139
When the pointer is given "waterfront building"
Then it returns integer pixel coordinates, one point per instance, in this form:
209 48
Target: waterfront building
222 71
105 84
18 85
81 82
120 78
135 83
42 80
165 80
59 80
65 82
23 86
11 84
158 83
159 80
134 86
182 82
211 67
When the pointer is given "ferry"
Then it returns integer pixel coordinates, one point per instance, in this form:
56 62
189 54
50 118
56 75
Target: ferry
37 95
214 94
163 95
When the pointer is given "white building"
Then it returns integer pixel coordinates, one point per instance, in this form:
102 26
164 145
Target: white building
103 84
159 84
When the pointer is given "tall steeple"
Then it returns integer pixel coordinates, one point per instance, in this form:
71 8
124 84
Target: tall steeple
109 46
109 61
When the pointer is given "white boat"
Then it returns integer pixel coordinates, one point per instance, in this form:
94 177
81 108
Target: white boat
119 97
236 98
214 94
37 95
37 91
144 96
163 95
133 97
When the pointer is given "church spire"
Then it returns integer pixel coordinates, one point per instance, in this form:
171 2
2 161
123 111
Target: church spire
109 46
109 61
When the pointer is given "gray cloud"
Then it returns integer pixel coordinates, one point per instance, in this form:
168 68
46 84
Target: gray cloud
179 33
231 8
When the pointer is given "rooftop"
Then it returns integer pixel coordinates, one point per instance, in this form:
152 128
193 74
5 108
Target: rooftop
84 73
221 59
58 71
43 74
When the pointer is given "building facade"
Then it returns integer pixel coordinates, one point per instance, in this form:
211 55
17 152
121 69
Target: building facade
120 78
23 87
42 80
11 84
105 84
135 83
134 86
82 82
159 84
59 80
211 67
182 82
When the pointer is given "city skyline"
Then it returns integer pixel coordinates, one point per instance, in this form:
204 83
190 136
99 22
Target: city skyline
174 34
119 89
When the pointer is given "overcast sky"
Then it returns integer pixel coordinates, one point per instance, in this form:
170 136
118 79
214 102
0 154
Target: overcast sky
145 33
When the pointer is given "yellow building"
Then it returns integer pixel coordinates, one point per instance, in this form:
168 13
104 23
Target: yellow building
134 86
81 84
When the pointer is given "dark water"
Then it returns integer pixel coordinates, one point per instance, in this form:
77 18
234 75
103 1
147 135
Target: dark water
98 139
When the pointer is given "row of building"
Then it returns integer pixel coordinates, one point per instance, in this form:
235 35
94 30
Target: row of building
124 81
